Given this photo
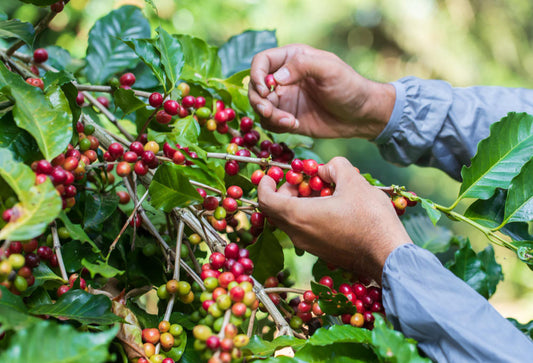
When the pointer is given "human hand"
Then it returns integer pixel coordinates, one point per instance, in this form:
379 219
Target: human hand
317 95
355 228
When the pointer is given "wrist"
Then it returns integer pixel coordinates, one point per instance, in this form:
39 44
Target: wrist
377 108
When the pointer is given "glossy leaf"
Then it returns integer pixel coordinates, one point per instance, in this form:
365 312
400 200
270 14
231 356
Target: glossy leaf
499 157
58 57
147 52
44 275
424 234
519 203
480 271
267 256
340 334
52 129
76 232
57 79
14 319
73 253
63 344
12 301
107 54
38 204
170 188
330 303
527 328
237 53
264 348
81 306
201 60
393 345
21 144
171 56
321 269
15 28
177 352
490 212
237 88
127 101
99 207
335 352
188 129
101 268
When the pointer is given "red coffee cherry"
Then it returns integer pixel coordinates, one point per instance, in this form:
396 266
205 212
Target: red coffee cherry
275 173
171 107
231 167
127 79
40 55
155 99
246 124
235 191
104 101
270 82
188 101
316 183
293 177
163 117
310 167
257 176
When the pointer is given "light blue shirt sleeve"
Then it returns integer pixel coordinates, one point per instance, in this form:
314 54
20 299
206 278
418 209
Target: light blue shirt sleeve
434 124
450 320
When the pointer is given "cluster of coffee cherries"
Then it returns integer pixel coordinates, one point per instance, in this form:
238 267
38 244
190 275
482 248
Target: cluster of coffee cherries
74 281
400 203
182 289
18 262
167 335
365 298
221 348
303 174
40 55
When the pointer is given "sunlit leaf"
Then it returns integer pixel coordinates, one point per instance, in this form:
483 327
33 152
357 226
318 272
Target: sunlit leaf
15 28
170 188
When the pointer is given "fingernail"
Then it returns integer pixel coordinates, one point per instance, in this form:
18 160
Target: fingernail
261 109
262 90
286 123
296 124
282 75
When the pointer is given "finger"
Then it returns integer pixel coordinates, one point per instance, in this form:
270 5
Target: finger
270 201
264 63
340 172
304 62
289 190
261 105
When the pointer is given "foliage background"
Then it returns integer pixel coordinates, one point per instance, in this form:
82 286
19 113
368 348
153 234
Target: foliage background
466 42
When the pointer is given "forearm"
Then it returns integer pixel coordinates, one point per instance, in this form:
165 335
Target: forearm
451 321
433 124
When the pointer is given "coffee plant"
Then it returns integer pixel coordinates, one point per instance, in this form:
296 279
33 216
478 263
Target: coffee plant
130 229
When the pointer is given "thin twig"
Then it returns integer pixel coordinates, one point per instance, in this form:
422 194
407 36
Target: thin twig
108 89
277 290
281 323
246 159
108 114
57 250
225 322
251 323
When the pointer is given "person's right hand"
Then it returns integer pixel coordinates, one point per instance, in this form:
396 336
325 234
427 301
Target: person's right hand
317 95
355 228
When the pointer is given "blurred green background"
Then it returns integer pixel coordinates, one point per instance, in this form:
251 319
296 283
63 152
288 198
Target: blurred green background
466 42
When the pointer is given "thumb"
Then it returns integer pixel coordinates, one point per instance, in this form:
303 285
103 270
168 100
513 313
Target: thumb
299 66
270 201
340 172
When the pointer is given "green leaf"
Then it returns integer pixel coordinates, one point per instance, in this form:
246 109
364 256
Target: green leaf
264 348
44 275
182 319
392 345
76 232
101 268
58 57
81 306
294 140
201 60
171 56
147 52
21 144
38 204
489 213
519 203
146 320
47 117
63 344
321 269
480 271
424 234
107 53
73 252
267 256
337 352
187 128
57 79
237 53
13 319
176 352
127 101
330 303
39 2
12 301
170 188
340 334
99 207
14 28
371 180
499 157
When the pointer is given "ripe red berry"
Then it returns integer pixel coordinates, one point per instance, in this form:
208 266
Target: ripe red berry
235 191
231 167
155 99
163 117
188 101
58 175
276 150
62 289
310 167
199 102
246 124
217 260
210 203
44 167
230 114
243 152
270 82
127 79
57 7
36 82
275 173
123 169
257 176
80 99
171 107
178 157
115 150
326 281
104 101
123 196
148 157
140 168
250 139
231 251
316 183
40 55
257 219
293 177
309 296
230 204
130 156
137 147
411 203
